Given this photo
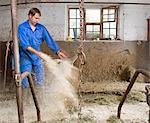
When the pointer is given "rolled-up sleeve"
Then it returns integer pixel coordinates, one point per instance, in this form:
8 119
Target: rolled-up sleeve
49 41
24 42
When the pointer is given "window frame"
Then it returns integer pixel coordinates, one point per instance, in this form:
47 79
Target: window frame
76 22
115 20
101 24
92 24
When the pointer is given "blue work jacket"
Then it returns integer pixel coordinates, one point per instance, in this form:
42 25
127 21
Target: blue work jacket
27 38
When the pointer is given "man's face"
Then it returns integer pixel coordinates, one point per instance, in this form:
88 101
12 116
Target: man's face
34 19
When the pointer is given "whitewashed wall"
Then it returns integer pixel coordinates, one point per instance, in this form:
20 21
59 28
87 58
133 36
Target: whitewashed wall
53 17
132 20
5 23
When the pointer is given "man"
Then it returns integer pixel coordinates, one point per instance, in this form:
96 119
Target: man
31 34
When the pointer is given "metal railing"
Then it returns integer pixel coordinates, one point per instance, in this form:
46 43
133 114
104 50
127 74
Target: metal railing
137 72
18 76
28 75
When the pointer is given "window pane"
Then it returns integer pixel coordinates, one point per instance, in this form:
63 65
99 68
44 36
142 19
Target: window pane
105 19
111 19
112 24
111 11
72 13
96 28
78 13
92 35
89 28
92 15
96 35
105 11
78 23
113 32
105 25
73 23
89 35
105 16
106 33
78 33
75 32
109 24
111 16
71 33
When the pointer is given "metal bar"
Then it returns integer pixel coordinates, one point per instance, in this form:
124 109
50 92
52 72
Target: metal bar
27 74
147 88
16 59
149 115
144 72
6 58
14 32
5 69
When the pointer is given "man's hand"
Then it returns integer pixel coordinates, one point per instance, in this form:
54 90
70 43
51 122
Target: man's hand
61 55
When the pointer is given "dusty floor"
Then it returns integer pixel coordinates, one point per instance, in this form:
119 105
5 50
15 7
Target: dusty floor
100 93
106 97
98 104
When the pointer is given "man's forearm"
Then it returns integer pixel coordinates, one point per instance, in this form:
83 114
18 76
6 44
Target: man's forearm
32 50
60 54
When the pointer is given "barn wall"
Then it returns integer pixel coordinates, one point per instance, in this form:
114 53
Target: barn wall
105 60
132 19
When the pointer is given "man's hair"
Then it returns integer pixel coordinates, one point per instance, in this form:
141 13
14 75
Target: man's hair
33 11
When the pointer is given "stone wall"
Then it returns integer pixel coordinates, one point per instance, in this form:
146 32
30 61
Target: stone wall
105 60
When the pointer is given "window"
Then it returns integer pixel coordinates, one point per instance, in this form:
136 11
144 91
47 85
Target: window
92 31
98 23
74 23
109 23
92 15
92 23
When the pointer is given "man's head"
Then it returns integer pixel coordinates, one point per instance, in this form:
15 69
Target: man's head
34 16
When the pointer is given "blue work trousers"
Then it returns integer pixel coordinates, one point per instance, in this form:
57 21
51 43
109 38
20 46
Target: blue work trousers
39 75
